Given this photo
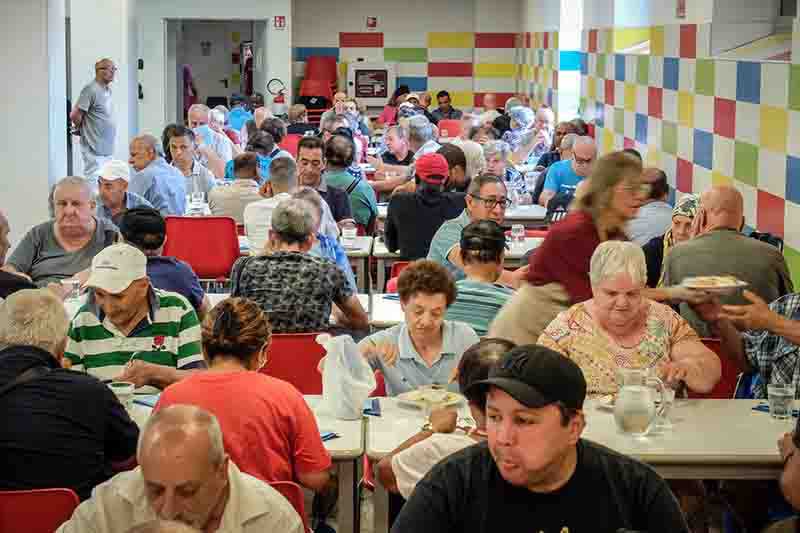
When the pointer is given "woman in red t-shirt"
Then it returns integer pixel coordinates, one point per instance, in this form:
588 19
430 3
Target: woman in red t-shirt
268 429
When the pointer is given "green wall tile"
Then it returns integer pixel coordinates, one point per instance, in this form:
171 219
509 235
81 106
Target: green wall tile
704 77
745 165
600 71
406 55
669 137
643 70
619 121
792 257
794 87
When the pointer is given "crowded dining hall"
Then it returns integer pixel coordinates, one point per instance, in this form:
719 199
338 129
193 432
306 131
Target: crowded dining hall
312 267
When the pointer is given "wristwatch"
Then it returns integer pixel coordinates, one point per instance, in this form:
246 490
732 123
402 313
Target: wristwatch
427 427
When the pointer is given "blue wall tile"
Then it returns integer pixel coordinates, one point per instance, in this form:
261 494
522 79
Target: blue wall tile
600 115
301 53
641 128
793 179
584 64
619 67
571 60
671 70
703 149
415 83
748 82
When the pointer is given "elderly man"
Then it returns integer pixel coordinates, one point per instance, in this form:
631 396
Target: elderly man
489 102
721 248
129 330
554 155
113 195
63 247
159 183
564 176
298 121
296 289
164 526
310 165
184 475
9 282
339 156
183 147
398 151
258 215
252 125
231 200
340 108
216 148
146 230
93 116
655 216
535 468
216 121
60 428
445 111
564 154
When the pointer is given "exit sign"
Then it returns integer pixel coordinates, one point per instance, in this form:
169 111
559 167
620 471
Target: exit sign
280 22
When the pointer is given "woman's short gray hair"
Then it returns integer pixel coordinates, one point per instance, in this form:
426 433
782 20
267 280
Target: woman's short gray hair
34 317
293 221
499 148
612 258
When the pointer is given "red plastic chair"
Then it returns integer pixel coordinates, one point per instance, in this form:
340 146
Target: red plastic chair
397 268
209 244
726 387
240 230
294 494
309 87
36 511
380 389
449 128
315 116
391 286
290 142
293 357
321 68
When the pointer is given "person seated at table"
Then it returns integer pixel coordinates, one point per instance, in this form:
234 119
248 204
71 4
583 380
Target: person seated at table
457 179
183 149
680 230
473 157
296 289
389 114
339 156
146 229
406 465
263 146
130 331
239 113
565 154
164 526
267 428
398 151
231 200
479 296
215 148
251 126
620 328
216 121
156 180
425 348
184 474
9 282
63 247
563 177
113 197
277 128
412 219
530 135
484 134
554 155
60 428
310 165
325 246
298 121
498 163
535 469
720 247
655 216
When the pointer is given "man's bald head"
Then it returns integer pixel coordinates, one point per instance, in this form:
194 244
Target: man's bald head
657 179
164 526
724 207
181 426
260 115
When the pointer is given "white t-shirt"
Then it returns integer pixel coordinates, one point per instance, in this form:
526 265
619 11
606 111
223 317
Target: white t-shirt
412 464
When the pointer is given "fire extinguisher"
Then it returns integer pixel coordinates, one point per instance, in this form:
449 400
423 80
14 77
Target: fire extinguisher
277 89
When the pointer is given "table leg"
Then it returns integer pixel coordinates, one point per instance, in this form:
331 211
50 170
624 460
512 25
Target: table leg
347 497
380 503
381 282
359 264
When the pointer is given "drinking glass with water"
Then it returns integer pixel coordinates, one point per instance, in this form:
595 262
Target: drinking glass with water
781 401
517 237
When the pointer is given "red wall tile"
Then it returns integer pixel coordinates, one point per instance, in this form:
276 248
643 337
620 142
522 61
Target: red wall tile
450 69
655 97
770 213
609 92
725 117
628 143
500 97
494 40
592 41
360 40
689 41
684 175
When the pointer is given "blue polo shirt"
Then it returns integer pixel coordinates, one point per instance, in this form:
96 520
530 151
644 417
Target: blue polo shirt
162 185
561 178
174 275
132 201
410 371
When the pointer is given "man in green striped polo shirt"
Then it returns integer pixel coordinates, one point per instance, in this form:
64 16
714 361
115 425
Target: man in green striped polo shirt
130 331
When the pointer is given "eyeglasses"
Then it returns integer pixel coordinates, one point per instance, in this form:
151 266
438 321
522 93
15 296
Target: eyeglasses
491 203
579 161
112 69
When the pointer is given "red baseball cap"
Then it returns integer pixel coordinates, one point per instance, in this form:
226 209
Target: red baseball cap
432 168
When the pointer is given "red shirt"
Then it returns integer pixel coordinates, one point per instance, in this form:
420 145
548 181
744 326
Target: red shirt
268 429
564 256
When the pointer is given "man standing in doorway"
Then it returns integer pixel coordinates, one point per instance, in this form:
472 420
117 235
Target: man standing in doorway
93 115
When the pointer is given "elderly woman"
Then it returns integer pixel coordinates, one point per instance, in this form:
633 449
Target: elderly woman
296 289
531 134
620 328
498 163
269 430
424 349
656 250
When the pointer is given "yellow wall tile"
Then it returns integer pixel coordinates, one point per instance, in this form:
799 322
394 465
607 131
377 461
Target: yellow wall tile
555 40
494 70
774 128
591 88
657 41
686 109
653 158
630 97
627 37
720 179
608 140
451 39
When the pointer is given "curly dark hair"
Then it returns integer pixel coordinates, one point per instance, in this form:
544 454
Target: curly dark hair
236 327
426 276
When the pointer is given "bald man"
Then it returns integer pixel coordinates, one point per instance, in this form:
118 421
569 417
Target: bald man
721 249
655 216
10 282
184 475
93 116
157 181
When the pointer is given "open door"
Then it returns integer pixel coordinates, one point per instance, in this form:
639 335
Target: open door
260 57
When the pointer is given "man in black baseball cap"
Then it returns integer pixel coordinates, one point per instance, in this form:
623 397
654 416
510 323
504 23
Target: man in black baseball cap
535 473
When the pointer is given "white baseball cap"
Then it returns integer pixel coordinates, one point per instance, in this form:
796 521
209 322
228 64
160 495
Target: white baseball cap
116 267
115 170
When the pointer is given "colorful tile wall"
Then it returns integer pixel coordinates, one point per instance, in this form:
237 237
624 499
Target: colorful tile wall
703 120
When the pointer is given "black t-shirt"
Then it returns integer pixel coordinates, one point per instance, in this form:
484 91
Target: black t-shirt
61 429
466 493
11 283
390 159
412 220
654 257
300 128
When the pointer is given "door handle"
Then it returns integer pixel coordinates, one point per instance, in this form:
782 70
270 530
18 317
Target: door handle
224 82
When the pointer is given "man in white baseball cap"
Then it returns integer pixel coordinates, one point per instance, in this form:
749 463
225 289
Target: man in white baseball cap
130 331
114 198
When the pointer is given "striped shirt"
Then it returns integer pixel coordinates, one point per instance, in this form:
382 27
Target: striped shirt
477 303
169 336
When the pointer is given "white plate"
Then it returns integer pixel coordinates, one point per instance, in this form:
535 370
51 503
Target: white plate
417 399
714 284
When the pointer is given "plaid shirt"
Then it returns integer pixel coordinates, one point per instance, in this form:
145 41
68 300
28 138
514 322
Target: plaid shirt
774 357
515 180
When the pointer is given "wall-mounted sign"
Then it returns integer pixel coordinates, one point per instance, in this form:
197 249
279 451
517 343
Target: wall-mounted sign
372 23
680 9
280 22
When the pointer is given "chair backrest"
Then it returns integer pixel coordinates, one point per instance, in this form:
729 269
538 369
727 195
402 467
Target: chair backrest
391 286
316 88
293 357
726 387
36 511
449 128
380 387
294 493
398 267
321 68
209 244
290 142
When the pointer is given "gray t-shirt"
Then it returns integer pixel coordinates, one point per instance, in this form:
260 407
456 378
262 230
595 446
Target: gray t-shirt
41 257
98 128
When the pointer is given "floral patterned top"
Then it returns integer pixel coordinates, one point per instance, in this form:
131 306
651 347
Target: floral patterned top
575 334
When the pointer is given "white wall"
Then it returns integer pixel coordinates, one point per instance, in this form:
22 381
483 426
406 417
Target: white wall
738 22
33 101
497 16
151 16
541 15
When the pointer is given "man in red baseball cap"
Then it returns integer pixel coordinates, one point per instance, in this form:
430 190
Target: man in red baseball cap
413 217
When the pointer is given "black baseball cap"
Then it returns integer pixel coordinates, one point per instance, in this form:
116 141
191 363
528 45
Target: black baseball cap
536 376
483 235
143 227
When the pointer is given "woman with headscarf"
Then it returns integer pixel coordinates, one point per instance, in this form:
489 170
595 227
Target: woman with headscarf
655 251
